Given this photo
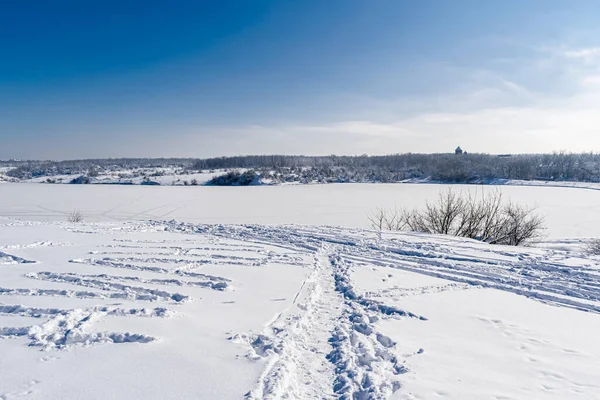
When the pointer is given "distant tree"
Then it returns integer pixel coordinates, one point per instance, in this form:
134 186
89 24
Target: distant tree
80 180
235 178
468 168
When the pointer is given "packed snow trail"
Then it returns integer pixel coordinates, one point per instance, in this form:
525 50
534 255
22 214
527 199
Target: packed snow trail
295 341
559 277
325 344
148 288
365 365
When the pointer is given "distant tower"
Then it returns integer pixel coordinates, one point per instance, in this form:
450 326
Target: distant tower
458 150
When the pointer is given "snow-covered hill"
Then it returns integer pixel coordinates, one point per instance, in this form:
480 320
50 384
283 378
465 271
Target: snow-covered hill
166 310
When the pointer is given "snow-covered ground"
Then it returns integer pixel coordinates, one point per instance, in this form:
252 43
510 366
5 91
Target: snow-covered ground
558 184
182 176
569 212
168 310
3 177
157 176
516 182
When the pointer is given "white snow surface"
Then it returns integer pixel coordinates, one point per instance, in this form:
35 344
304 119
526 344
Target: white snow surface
161 176
174 310
569 212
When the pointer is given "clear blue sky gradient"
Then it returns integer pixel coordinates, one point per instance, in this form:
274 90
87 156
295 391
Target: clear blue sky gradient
194 78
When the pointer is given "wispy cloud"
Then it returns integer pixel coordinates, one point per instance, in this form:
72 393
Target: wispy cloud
585 53
500 115
542 103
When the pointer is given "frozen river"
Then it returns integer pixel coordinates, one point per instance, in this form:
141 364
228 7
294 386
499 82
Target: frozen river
569 212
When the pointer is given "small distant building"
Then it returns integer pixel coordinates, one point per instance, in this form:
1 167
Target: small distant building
458 150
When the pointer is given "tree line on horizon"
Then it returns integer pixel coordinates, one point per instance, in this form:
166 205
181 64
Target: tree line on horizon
466 168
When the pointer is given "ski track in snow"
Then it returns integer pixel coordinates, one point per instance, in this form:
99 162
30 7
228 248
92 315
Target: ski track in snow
35 244
325 343
9 259
64 328
396 292
68 328
365 366
529 272
295 342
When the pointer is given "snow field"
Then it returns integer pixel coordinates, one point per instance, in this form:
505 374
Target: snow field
569 212
170 310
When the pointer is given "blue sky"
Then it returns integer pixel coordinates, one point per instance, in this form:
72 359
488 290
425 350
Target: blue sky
200 79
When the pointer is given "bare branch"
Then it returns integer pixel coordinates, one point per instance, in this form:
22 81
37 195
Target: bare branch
76 216
483 217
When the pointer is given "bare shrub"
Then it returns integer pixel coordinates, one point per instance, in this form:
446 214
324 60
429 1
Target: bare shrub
482 217
391 220
377 219
76 216
593 247
519 226
396 220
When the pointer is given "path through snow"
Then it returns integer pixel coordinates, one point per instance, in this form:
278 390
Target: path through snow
304 311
